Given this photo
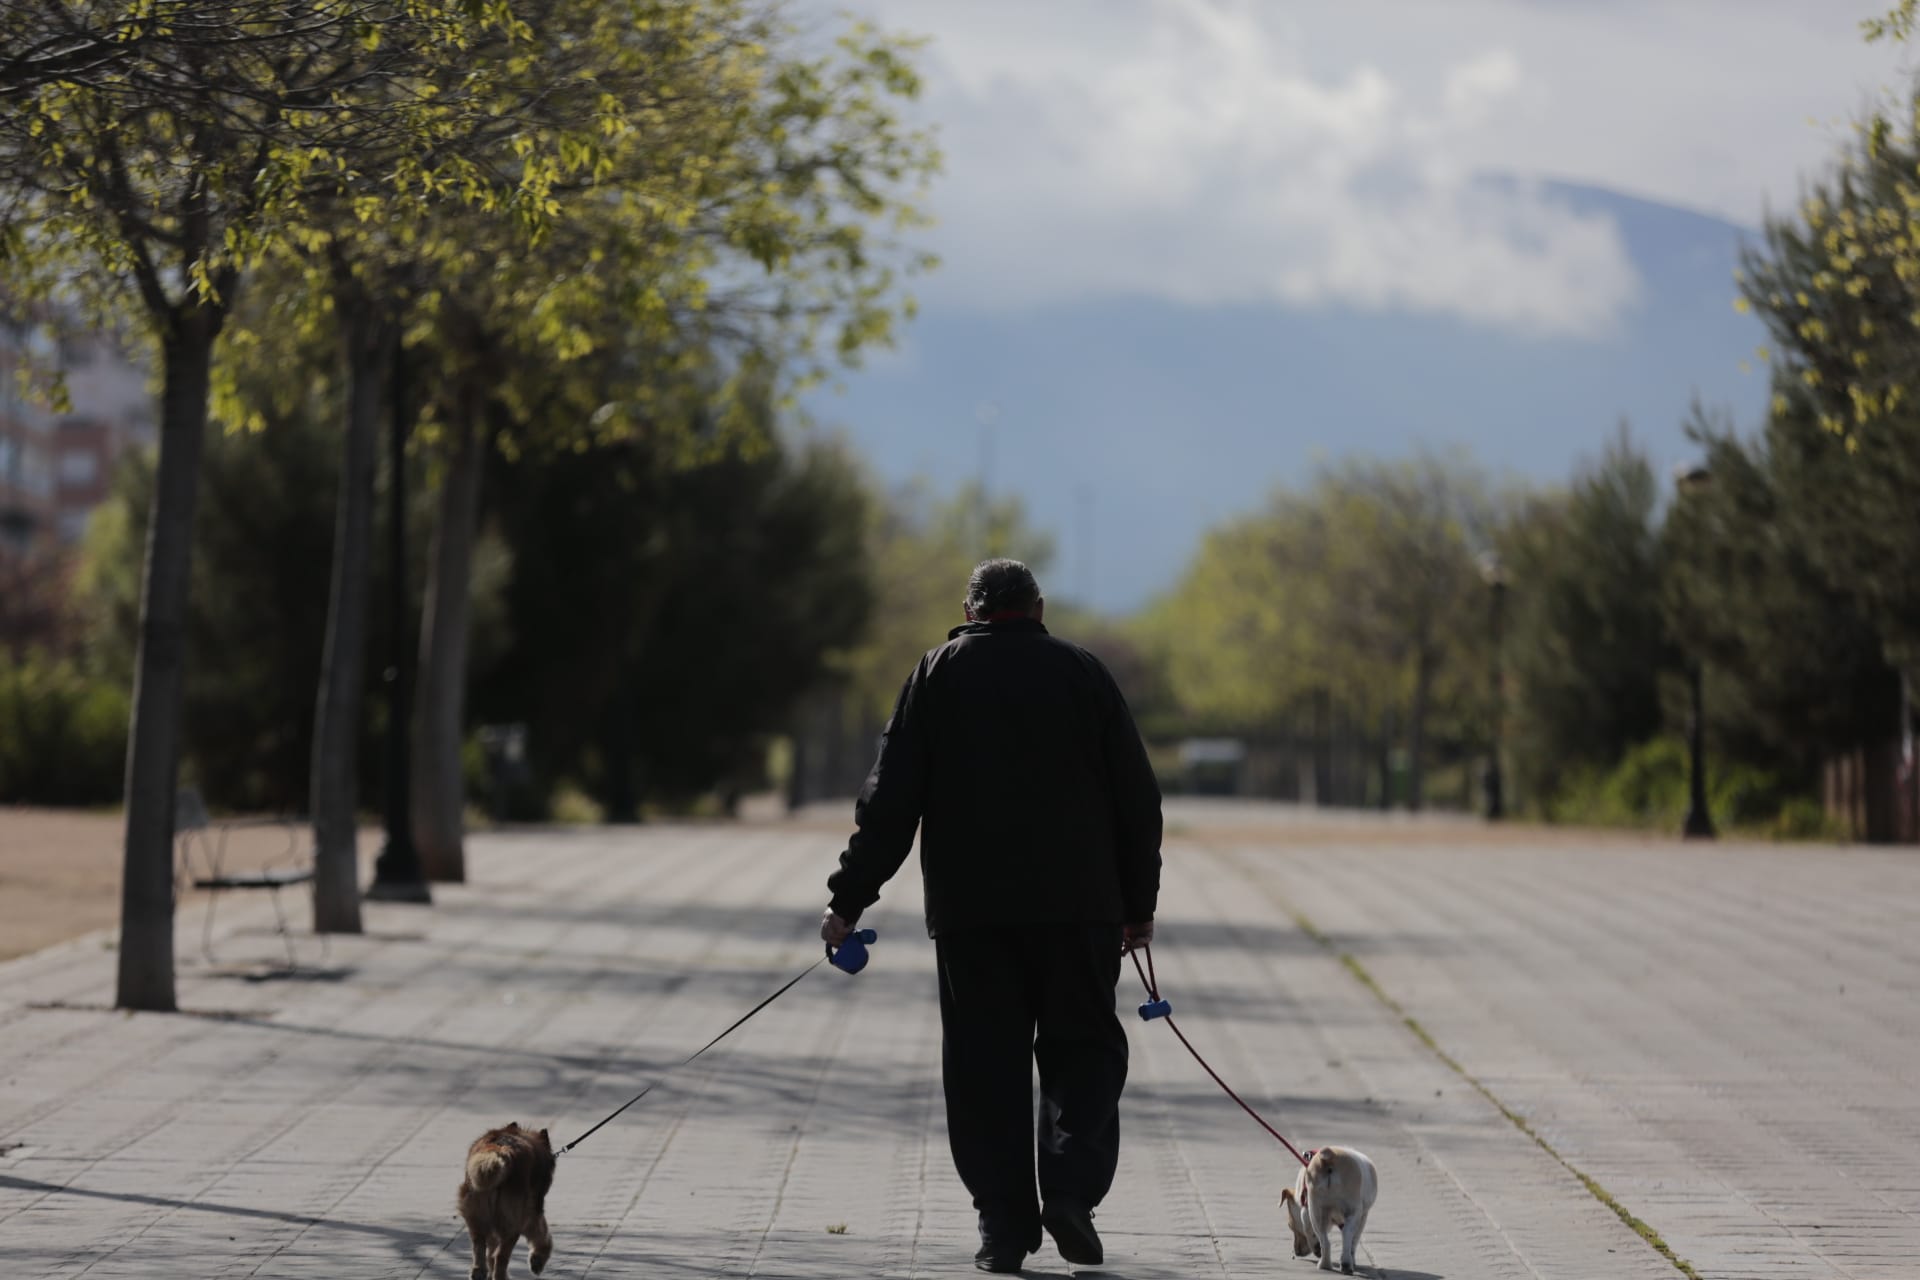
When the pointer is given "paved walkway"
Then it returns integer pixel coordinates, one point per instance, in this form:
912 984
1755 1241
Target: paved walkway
1723 1041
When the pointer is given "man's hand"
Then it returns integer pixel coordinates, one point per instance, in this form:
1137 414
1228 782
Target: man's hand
1135 935
834 930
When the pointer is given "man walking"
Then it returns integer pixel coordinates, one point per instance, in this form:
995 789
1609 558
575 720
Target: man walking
1016 757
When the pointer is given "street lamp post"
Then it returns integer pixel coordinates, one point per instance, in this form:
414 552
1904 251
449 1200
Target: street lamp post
397 874
1495 574
1699 824
1699 821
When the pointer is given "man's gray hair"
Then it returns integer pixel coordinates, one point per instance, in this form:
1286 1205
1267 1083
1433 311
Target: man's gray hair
1001 586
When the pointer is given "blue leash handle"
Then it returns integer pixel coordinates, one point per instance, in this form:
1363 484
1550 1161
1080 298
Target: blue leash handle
851 955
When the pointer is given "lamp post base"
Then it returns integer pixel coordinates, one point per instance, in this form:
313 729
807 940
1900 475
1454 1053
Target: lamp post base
1698 826
399 891
397 878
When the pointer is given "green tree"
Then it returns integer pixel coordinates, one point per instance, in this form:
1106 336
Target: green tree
535 125
255 627
63 732
305 302
750 618
90 44
1361 588
1403 584
1896 24
1797 670
161 178
1239 632
1838 307
701 601
1857 248
1586 642
741 216
247 725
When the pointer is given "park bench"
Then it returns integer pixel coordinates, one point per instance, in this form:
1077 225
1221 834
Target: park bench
194 830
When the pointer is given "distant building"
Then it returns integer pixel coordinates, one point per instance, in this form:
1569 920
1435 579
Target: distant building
84 450
1213 766
55 469
26 450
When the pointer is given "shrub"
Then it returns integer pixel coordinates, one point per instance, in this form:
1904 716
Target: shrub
1742 796
1804 818
1650 788
575 807
63 734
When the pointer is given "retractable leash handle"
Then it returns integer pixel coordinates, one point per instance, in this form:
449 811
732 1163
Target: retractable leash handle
1154 1007
851 956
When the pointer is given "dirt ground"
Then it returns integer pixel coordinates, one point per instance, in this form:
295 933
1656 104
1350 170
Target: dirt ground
60 870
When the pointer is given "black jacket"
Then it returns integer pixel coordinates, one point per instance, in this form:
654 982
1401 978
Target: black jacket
1016 756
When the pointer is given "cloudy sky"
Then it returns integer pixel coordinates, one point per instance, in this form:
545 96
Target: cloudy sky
1211 151
1311 156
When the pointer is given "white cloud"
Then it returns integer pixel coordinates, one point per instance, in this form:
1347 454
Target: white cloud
1474 88
1248 151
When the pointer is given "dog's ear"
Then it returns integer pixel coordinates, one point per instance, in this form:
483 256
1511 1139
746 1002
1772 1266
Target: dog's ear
543 1136
1286 1195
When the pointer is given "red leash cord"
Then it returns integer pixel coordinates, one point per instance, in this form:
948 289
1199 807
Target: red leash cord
1151 981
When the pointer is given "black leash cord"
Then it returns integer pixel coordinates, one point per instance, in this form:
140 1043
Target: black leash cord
744 1019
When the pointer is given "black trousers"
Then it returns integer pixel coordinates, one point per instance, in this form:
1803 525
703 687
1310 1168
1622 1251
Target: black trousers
1010 998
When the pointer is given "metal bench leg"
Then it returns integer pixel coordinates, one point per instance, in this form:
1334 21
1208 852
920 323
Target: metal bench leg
286 935
216 850
206 929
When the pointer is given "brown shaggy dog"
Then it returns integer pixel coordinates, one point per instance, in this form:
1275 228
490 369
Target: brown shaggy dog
504 1197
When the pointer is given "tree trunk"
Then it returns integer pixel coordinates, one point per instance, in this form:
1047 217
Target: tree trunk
1417 733
335 797
153 737
622 796
1322 748
1386 759
439 788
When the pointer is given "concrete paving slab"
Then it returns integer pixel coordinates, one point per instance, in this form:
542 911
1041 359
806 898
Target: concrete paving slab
1670 1022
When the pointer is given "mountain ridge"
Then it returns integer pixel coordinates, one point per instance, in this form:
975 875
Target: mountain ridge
1174 417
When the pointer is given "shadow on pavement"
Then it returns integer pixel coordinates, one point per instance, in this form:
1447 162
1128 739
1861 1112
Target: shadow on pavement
1132 1271
400 1236
721 988
280 973
773 923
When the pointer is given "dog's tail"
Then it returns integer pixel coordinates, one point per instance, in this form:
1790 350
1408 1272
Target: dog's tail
1320 1166
486 1168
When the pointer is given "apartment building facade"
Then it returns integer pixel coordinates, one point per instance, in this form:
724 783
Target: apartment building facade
55 469
26 451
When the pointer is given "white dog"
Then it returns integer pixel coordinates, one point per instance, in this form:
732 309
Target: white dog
1336 1187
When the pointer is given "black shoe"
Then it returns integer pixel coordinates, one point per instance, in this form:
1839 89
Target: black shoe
1072 1230
1003 1249
990 1259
